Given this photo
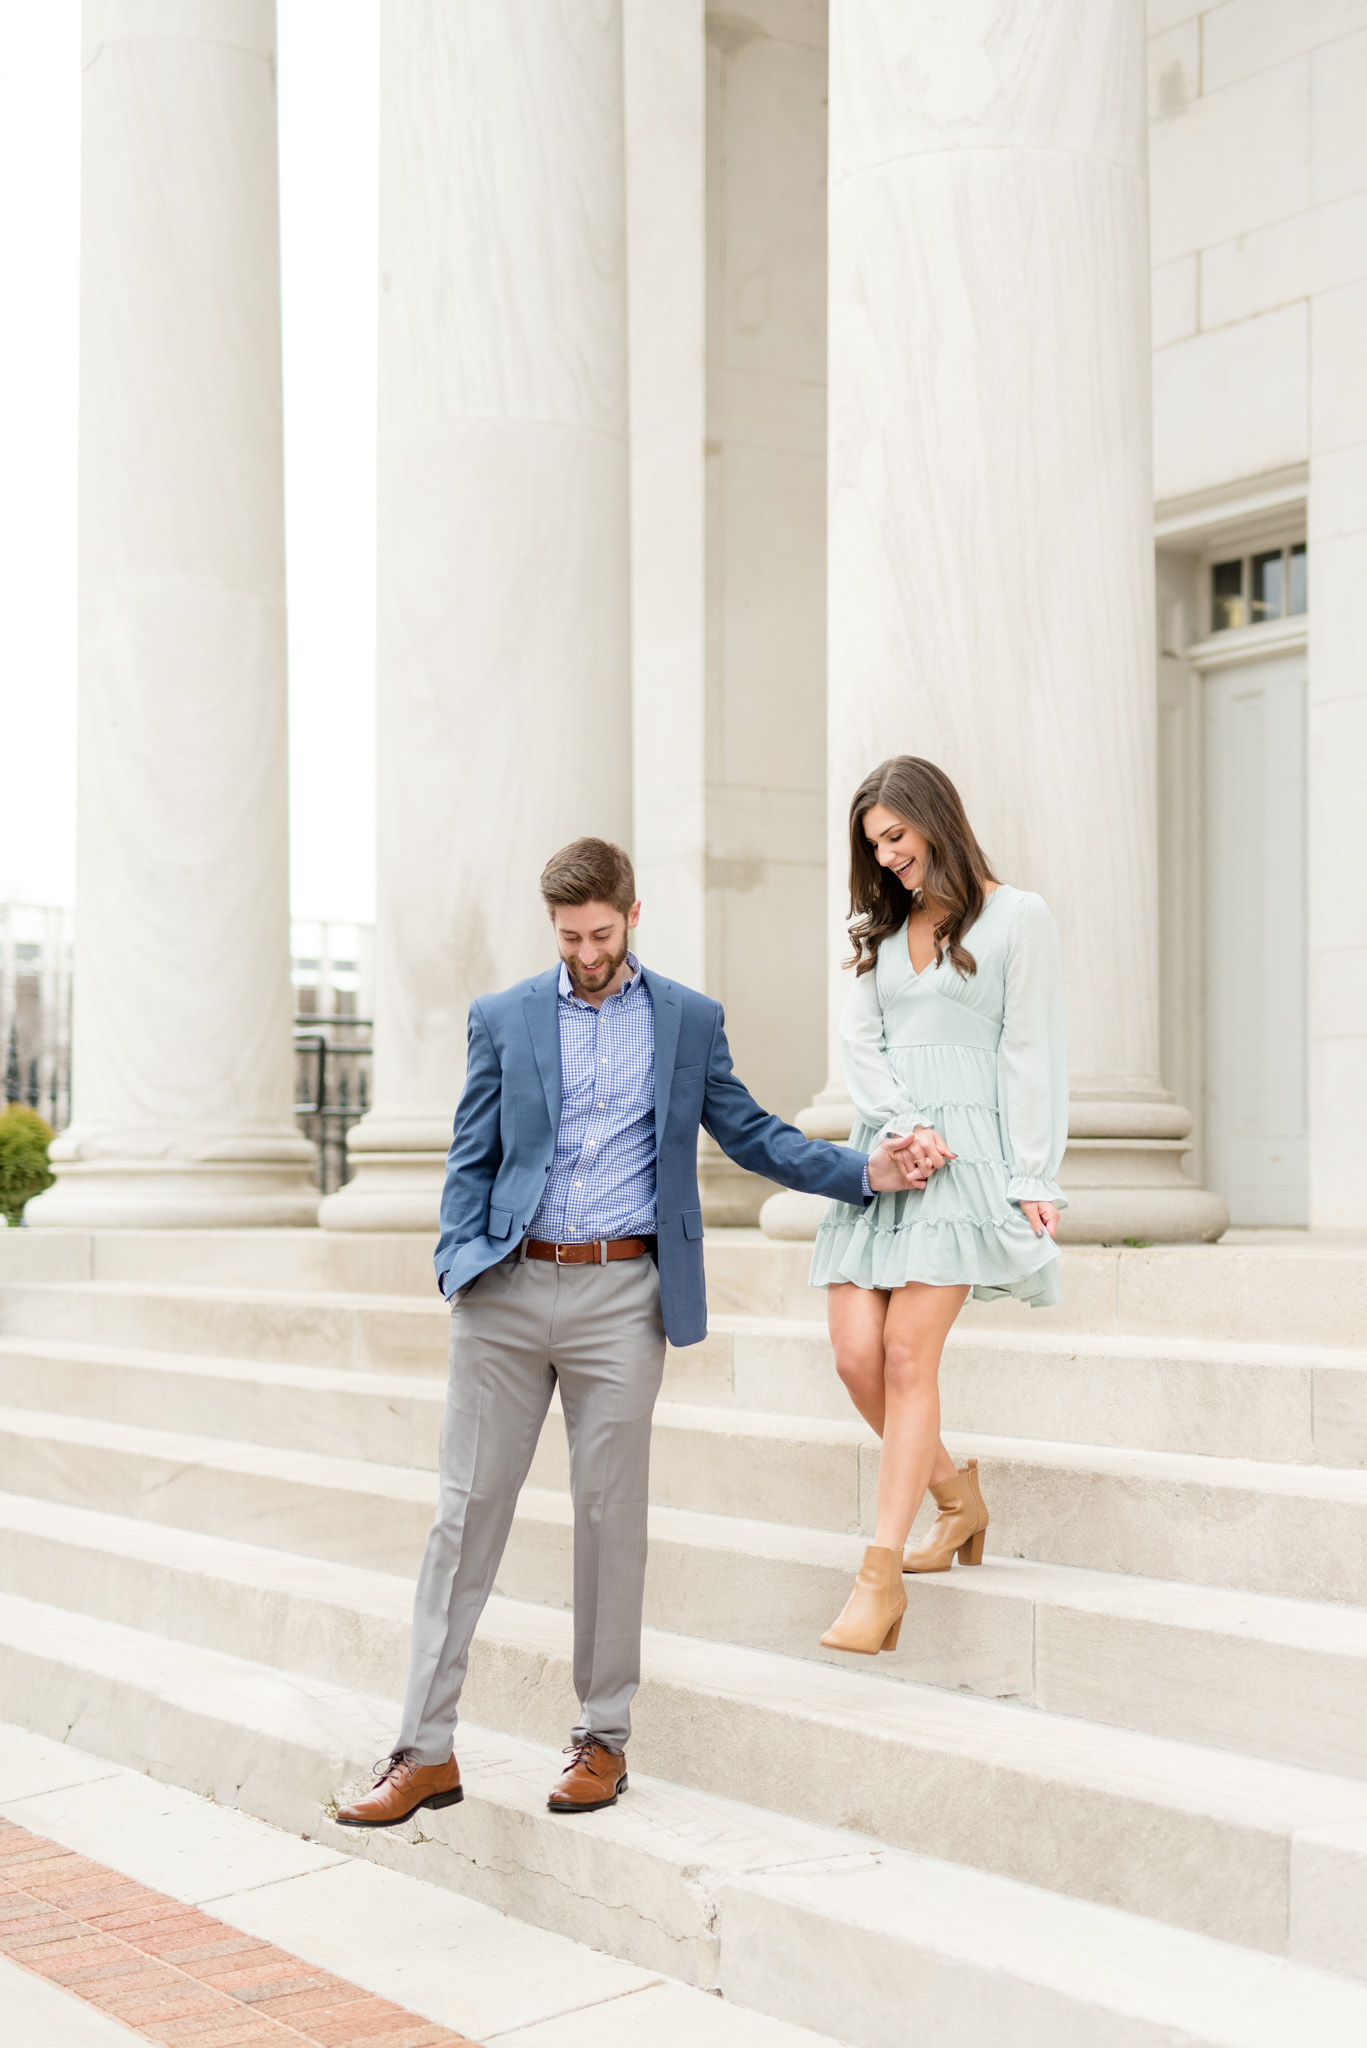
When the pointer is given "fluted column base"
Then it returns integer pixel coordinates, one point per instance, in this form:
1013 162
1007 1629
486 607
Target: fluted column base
1122 1174
400 1166
248 1183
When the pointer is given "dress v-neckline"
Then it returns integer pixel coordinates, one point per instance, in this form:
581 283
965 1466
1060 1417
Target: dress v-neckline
919 973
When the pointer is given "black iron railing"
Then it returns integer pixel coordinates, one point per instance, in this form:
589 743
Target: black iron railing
331 1089
25 1082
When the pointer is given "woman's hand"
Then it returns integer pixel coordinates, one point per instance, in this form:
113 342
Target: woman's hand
890 1170
921 1154
1041 1216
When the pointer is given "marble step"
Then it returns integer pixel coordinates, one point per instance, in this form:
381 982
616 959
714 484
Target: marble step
1294 1530
1170 1829
1283 1680
287 1326
349 1262
816 1925
1299 1531
1254 1287
777 1467
1246 1524
1262 1287
1255 1855
394 1418
1274 1403
1293 1404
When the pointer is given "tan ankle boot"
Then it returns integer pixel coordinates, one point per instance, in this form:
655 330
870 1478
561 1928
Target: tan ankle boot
871 1618
959 1526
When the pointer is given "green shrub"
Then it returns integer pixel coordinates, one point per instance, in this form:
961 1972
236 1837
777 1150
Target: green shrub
24 1139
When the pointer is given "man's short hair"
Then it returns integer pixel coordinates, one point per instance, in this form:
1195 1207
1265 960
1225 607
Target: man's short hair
589 871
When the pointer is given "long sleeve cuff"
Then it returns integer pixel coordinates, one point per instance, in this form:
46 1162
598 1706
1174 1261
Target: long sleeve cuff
868 1191
1033 1187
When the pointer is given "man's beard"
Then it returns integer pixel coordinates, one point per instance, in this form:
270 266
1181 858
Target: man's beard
601 976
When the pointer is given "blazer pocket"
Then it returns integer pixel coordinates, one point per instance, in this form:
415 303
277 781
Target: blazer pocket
692 1222
500 1222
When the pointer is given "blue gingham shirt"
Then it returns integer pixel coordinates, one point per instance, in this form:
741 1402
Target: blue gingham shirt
602 1183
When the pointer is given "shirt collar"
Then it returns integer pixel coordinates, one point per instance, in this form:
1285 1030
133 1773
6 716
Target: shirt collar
633 979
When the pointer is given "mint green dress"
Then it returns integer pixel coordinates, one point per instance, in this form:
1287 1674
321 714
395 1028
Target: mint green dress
983 1060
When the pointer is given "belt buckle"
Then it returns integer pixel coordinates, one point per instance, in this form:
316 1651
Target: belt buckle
562 1248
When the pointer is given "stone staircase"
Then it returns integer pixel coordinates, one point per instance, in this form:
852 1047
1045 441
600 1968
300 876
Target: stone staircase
1111 1789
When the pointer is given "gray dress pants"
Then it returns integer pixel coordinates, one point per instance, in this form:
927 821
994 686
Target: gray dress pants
521 1328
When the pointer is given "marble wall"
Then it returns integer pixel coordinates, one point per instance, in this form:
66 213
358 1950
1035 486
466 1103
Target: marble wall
1258 156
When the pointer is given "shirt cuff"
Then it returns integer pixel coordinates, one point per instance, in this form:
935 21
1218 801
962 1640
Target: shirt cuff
867 1189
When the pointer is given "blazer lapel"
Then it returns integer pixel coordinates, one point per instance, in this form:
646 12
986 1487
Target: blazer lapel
668 1017
540 1006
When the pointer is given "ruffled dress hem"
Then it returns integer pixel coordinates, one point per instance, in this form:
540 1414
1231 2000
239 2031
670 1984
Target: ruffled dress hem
988 1256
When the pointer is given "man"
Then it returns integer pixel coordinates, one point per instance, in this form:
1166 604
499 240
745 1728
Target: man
570 1248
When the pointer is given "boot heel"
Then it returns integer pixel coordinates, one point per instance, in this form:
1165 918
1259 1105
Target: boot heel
972 1551
890 1639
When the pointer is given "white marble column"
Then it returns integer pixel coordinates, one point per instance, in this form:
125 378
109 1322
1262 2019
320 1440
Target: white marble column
503 636
182 1055
991 557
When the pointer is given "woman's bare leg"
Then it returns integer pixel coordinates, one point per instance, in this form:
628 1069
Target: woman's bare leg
916 1322
855 1316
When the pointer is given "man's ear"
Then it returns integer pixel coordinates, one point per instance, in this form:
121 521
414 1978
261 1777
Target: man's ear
633 917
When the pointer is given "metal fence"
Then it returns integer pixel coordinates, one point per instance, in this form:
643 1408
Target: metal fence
35 1008
44 1085
331 1089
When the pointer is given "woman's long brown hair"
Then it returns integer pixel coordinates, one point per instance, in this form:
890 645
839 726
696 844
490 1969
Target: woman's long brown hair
955 874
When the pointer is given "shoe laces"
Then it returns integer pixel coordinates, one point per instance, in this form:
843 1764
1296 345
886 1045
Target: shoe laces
582 1750
387 1766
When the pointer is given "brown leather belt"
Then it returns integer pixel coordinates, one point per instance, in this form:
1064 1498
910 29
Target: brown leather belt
597 1252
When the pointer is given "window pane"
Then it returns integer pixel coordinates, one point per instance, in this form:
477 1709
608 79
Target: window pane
1295 601
1269 586
1227 596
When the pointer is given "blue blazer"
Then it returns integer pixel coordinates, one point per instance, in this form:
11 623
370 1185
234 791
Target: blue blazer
504 1142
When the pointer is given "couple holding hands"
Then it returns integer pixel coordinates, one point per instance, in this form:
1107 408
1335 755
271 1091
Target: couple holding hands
571 1238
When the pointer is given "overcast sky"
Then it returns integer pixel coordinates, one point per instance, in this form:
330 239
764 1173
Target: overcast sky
328 106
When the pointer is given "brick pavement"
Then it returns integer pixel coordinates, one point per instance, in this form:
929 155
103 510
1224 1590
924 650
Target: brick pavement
174 1974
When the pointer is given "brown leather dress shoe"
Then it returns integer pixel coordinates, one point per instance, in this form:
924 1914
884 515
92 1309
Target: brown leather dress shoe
593 1777
401 1788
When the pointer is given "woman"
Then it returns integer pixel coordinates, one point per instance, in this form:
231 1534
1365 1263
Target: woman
952 1032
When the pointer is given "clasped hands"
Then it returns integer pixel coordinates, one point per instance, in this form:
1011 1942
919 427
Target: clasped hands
901 1163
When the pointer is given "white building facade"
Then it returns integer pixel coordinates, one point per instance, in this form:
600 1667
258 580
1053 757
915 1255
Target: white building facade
1258 158
760 395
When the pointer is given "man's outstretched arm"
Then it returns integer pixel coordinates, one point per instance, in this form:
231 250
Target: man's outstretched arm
476 1148
764 1144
